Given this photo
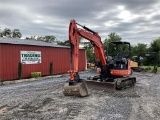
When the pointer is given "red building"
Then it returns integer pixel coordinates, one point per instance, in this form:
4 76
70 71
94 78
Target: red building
35 56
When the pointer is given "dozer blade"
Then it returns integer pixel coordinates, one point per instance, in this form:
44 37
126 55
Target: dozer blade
116 84
104 86
79 89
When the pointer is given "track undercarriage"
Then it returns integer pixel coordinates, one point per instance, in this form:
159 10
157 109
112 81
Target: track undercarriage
95 83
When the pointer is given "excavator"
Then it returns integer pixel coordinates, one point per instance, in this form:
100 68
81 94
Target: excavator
114 71
137 62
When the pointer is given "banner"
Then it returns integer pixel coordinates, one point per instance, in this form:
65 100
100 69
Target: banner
30 57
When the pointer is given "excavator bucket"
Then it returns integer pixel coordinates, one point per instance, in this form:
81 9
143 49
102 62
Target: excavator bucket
79 89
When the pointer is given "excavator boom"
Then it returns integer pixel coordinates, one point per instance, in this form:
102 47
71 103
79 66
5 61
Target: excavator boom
74 39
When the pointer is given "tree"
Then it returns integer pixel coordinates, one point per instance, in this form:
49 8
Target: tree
49 38
11 34
31 38
6 32
111 38
114 37
155 47
41 38
89 51
1 34
65 43
16 33
139 48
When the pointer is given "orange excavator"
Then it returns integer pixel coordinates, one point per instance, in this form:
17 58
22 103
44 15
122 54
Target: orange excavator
114 71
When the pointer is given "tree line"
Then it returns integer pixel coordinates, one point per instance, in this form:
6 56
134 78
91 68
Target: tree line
154 46
135 49
10 34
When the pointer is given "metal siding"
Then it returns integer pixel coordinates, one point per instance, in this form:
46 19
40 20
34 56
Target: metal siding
10 56
82 60
0 61
8 62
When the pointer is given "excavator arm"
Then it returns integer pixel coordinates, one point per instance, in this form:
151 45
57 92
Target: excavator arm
74 38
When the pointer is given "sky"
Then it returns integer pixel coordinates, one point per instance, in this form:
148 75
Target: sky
136 21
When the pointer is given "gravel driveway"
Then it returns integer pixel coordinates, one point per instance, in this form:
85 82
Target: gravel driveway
44 100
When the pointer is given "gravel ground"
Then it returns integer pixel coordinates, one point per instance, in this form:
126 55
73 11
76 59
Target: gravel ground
44 100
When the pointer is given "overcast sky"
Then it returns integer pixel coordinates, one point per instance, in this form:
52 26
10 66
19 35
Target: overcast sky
134 20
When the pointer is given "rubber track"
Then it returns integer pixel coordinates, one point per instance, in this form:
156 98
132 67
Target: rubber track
122 83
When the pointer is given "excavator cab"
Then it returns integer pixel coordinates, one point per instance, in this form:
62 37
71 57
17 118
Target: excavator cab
136 62
119 51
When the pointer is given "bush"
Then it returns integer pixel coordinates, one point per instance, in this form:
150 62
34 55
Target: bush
35 74
51 68
19 70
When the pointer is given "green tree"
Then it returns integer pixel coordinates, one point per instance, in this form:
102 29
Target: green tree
16 33
89 51
31 38
46 38
65 43
49 38
139 48
1 34
112 37
6 32
155 47
41 38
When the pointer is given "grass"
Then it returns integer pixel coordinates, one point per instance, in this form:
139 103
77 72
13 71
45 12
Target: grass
158 70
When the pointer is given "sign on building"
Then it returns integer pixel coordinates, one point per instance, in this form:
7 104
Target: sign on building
30 57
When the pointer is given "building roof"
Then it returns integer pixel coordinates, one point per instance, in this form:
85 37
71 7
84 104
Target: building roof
28 42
